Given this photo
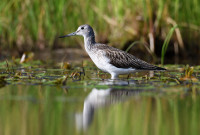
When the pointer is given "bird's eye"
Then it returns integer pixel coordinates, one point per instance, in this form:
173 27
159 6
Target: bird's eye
82 28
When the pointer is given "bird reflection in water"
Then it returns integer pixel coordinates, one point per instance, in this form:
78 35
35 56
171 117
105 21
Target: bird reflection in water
100 98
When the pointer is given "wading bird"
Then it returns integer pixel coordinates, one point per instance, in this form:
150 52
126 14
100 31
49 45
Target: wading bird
110 59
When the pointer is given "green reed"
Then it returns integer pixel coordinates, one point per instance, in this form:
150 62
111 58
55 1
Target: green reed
37 24
166 43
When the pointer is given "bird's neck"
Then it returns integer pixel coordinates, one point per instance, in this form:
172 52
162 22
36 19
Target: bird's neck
89 42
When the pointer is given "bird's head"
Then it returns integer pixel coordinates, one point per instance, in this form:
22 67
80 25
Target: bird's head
83 30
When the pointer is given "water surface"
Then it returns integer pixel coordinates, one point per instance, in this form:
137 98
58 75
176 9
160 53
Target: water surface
84 101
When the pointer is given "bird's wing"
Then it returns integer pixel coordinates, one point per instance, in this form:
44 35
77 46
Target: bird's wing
121 59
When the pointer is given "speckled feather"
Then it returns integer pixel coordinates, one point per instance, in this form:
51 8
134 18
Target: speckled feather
122 59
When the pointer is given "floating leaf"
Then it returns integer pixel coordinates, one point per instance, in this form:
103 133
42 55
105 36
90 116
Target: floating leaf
188 74
65 65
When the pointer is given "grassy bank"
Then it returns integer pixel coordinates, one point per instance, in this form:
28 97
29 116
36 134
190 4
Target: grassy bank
28 25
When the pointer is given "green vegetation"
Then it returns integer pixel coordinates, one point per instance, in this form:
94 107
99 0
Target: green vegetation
166 43
29 71
26 25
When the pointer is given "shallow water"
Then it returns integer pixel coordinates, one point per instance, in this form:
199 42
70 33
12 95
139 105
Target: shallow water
44 101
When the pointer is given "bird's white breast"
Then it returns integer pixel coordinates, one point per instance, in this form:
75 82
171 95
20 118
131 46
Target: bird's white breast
100 60
103 63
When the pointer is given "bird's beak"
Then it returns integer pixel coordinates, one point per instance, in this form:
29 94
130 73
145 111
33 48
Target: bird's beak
68 35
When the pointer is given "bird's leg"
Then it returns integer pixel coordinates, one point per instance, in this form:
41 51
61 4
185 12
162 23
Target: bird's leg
114 76
128 75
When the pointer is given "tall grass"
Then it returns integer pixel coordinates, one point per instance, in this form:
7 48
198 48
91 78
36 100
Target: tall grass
166 43
36 24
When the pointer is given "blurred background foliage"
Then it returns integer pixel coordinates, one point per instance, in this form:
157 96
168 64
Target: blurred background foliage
27 25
